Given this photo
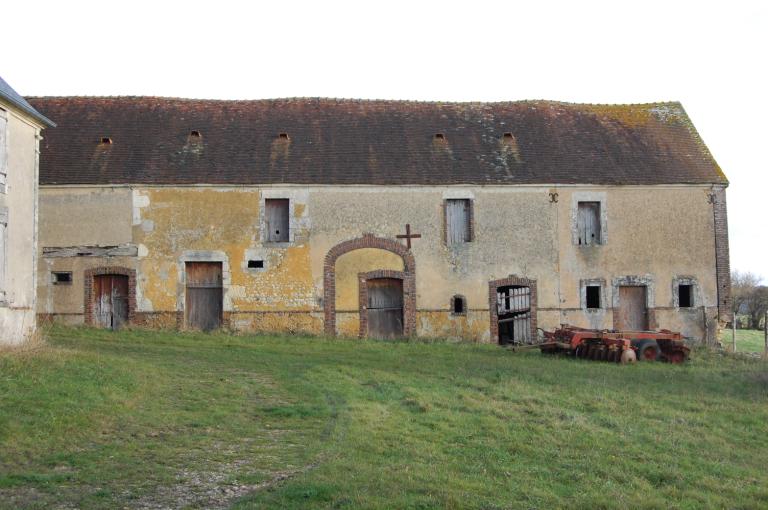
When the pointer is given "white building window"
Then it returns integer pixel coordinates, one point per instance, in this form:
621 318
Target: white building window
3 252
3 151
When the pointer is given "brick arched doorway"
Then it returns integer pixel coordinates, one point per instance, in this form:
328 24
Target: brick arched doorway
99 284
515 298
408 277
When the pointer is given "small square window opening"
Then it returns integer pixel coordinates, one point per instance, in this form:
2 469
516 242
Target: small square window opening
593 296
459 307
255 264
61 278
685 295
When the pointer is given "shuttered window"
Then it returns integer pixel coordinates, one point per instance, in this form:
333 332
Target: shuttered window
588 223
457 221
3 250
3 151
277 219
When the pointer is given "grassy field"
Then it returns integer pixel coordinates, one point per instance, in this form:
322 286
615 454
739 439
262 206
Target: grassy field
155 420
747 340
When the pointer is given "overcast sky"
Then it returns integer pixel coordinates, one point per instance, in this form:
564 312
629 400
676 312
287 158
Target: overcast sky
711 56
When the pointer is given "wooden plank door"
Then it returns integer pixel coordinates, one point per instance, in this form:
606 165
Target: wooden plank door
111 294
385 308
205 296
633 312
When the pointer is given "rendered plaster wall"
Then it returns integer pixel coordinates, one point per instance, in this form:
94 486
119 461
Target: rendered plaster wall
18 205
79 217
65 302
656 234
173 226
527 231
85 216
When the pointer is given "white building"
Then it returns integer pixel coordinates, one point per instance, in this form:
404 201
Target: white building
20 127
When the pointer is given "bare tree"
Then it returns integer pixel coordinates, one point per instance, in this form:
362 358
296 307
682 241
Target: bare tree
757 305
749 297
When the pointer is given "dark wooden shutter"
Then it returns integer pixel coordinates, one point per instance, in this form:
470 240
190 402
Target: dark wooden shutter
457 221
588 223
277 219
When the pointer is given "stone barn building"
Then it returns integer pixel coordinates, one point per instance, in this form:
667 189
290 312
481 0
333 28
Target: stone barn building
481 221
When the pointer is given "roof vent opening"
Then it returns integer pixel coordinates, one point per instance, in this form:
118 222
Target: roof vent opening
194 133
106 141
440 137
283 136
508 136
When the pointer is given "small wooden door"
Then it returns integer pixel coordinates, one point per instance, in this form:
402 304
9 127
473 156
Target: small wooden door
111 306
633 313
205 296
385 308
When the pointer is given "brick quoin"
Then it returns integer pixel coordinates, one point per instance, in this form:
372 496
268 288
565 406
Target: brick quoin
408 277
493 288
722 255
90 298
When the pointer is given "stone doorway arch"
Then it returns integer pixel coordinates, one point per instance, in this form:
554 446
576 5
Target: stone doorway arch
370 241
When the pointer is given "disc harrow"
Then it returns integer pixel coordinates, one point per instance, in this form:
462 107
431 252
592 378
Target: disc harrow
616 346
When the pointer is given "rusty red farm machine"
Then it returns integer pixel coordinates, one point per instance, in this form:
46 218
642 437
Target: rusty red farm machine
615 346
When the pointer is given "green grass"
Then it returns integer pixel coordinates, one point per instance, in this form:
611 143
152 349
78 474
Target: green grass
152 419
747 340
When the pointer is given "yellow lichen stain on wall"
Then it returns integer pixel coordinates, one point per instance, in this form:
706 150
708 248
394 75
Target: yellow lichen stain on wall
223 221
443 324
158 279
306 323
360 261
190 219
348 324
286 284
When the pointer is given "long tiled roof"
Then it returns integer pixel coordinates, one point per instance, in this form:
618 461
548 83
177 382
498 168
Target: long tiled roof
330 141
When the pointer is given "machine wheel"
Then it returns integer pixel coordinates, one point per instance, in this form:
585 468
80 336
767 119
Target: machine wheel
647 350
676 357
628 356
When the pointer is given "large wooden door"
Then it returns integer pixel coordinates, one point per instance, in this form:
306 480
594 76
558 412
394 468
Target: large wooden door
205 295
111 295
633 312
385 308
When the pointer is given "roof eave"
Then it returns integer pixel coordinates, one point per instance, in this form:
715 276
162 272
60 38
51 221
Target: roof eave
27 110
